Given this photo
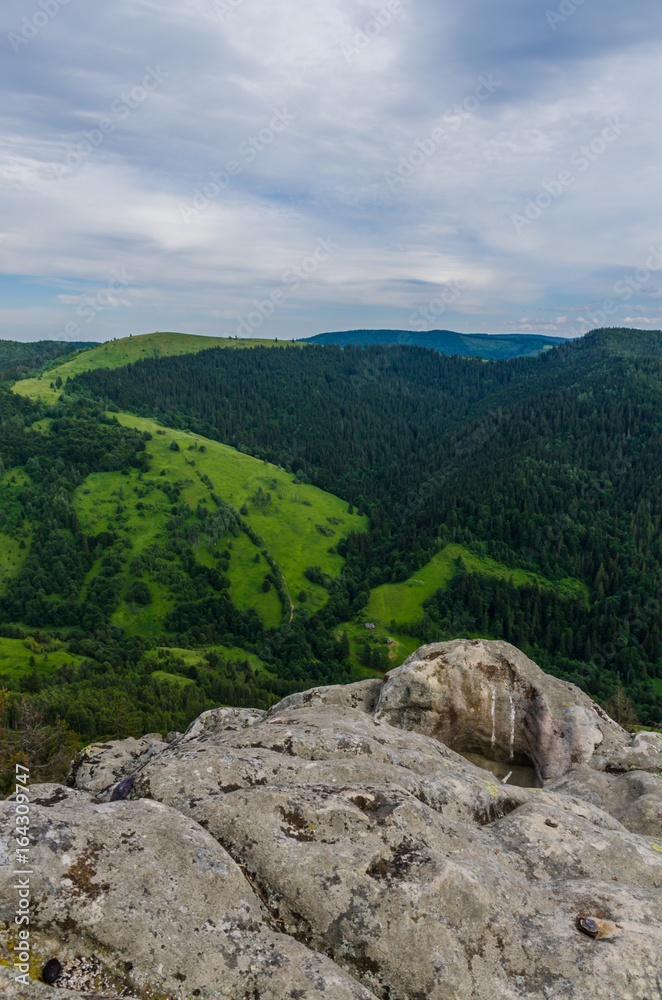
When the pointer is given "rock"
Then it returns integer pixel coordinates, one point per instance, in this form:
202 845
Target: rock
154 905
361 856
489 699
642 751
105 764
101 767
633 798
40 991
362 694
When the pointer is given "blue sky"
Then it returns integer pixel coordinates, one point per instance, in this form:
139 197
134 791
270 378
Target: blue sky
279 169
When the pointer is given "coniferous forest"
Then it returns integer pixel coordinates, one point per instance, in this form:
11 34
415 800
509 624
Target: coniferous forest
549 465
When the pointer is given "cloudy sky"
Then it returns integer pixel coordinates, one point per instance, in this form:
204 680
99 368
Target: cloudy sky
280 168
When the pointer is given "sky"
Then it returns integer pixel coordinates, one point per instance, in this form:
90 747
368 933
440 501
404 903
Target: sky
275 168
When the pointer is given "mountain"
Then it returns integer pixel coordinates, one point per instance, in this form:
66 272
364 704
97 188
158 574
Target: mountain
205 526
446 341
116 354
548 465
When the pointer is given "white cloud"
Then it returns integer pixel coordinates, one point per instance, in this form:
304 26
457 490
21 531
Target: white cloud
353 119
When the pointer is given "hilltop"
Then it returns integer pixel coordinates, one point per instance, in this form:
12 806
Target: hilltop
117 353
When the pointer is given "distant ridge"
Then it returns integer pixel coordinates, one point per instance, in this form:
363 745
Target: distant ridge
446 341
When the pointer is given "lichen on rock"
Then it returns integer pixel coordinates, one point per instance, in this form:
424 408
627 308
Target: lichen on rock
342 846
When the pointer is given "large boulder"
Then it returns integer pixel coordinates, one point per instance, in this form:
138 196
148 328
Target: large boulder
489 699
133 898
337 846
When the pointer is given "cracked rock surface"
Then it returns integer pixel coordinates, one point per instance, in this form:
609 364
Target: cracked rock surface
336 847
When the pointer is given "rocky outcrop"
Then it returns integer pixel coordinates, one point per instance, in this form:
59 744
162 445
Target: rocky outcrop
144 883
337 847
490 699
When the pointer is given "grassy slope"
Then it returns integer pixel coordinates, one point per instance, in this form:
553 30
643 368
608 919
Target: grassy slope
287 525
404 601
176 679
15 659
117 353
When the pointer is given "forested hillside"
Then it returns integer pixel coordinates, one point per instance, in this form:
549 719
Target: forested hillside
148 575
112 354
18 358
550 464
217 527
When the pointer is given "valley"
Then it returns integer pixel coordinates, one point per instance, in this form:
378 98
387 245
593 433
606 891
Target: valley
182 527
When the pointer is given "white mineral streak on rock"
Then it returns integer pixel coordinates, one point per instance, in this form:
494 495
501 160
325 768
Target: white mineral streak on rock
493 739
512 726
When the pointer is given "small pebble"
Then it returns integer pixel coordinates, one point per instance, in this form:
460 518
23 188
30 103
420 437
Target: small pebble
51 971
587 926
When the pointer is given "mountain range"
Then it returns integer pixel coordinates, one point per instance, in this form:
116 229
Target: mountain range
478 345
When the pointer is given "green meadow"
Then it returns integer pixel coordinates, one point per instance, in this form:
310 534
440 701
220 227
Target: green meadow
176 679
297 525
193 657
19 657
403 602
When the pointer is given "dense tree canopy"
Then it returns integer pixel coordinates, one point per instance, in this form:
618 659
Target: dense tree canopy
553 464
